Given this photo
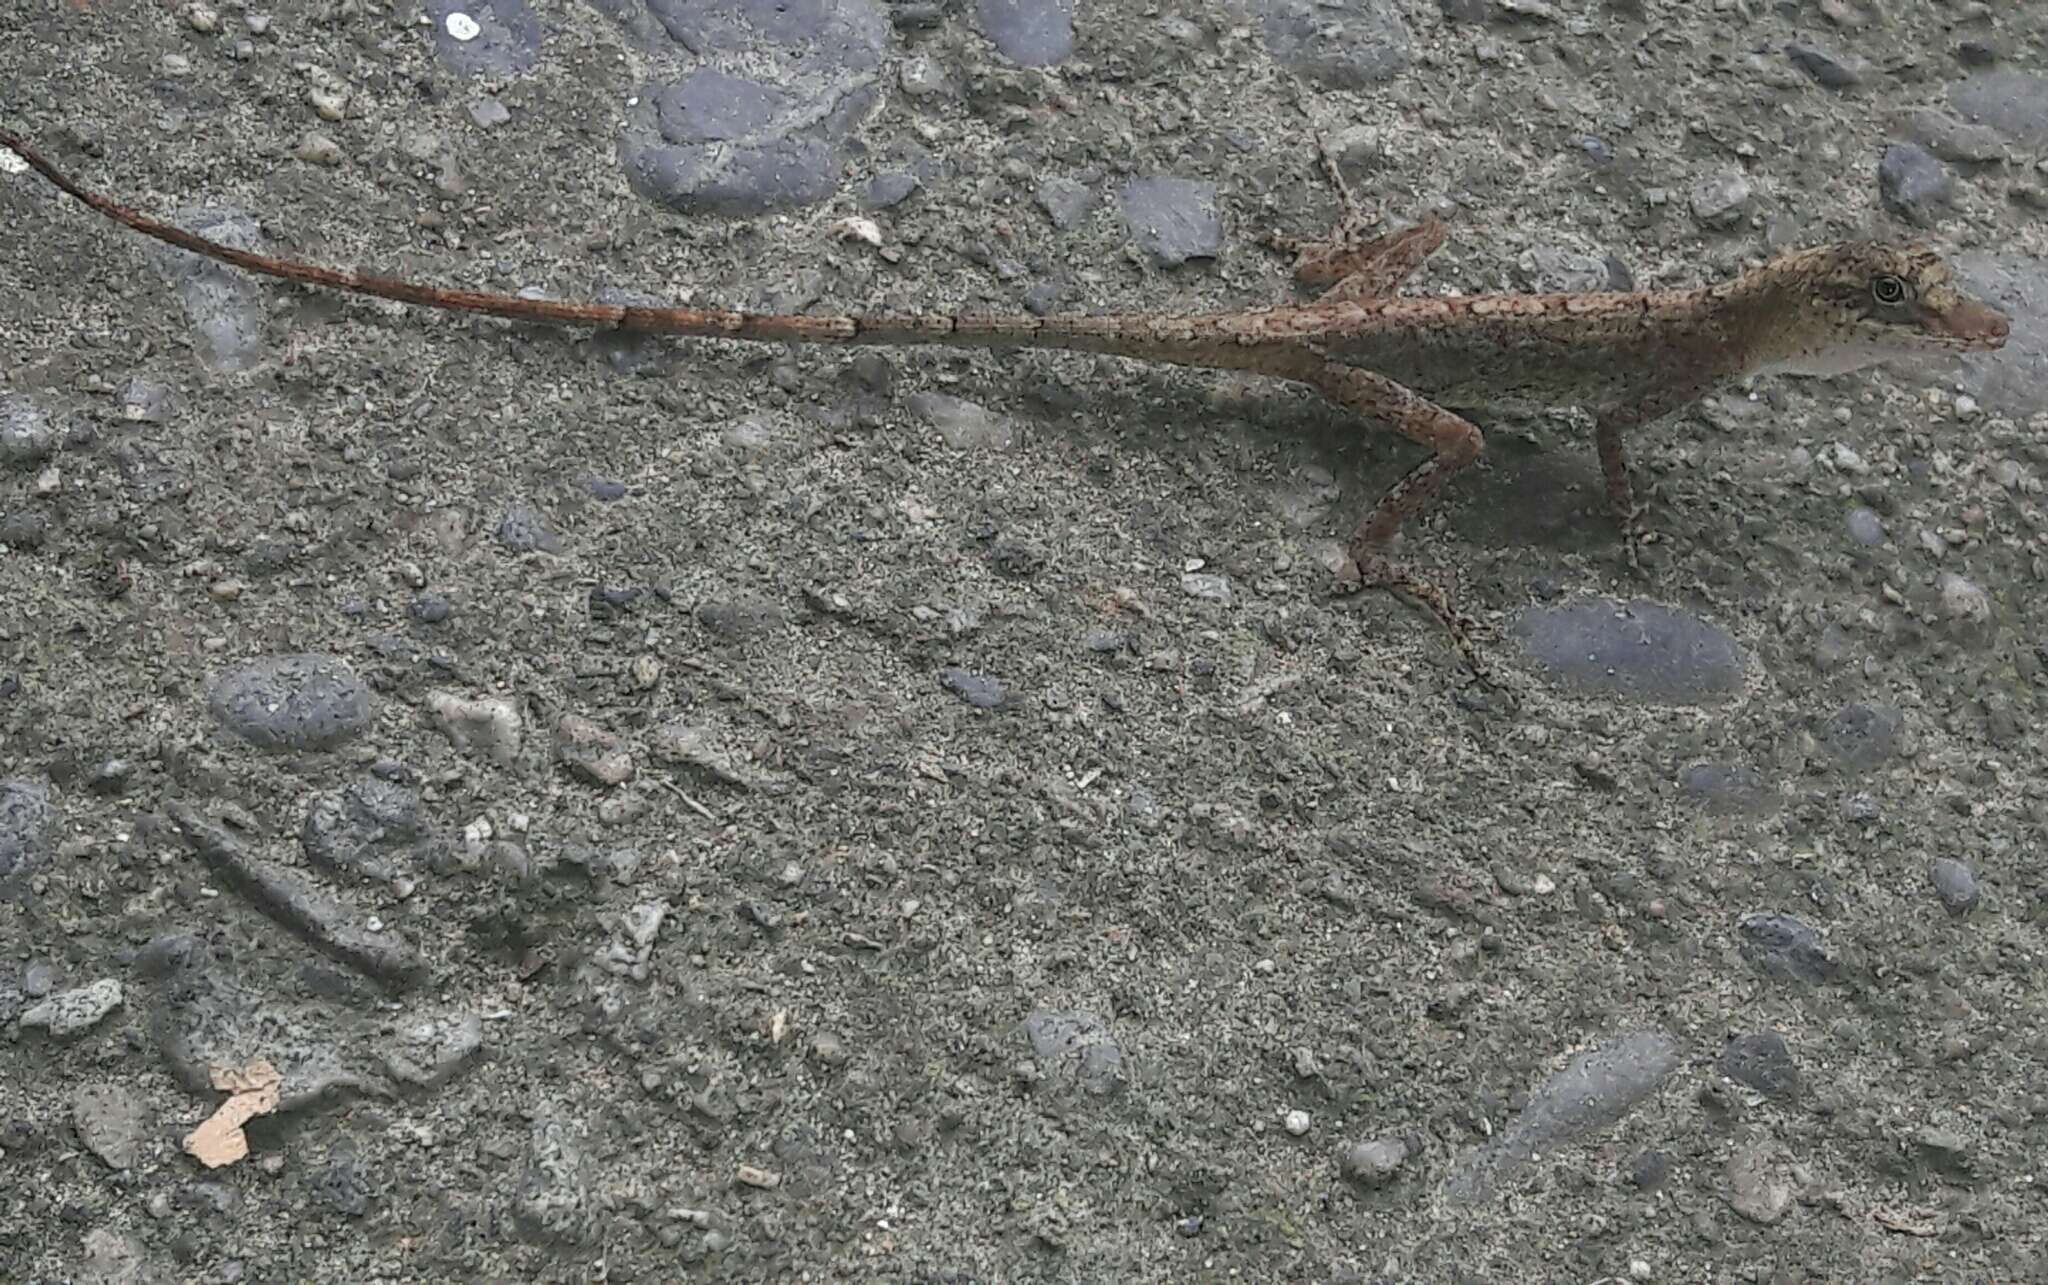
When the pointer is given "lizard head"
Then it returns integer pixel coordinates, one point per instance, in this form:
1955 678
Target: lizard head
1855 303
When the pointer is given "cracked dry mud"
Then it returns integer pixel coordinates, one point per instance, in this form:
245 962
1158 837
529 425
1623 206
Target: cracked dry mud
683 811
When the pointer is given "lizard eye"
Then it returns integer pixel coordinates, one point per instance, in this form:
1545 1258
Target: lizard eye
1888 290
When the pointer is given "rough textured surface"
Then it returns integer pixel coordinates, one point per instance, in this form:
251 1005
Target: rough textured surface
1238 927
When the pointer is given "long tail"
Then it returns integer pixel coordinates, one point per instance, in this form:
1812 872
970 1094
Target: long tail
1182 339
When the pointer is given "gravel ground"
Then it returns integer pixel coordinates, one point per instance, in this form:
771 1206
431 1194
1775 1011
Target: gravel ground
639 810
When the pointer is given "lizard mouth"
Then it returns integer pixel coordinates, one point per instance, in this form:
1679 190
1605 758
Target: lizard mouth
1967 324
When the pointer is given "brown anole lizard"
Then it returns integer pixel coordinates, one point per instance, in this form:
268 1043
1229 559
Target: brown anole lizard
1407 362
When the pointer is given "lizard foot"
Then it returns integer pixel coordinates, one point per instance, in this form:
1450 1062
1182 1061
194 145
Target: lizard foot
1636 536
1375 571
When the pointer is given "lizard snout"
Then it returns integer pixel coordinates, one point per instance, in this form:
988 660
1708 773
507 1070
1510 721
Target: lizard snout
1977 325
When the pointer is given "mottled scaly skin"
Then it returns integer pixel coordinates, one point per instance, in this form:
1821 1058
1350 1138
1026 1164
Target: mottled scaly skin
1408 363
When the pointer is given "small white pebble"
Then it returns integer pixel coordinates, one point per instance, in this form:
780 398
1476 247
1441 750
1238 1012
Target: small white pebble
48 481
856 228
202 18
1966 406
328 104
463 27
1296 1122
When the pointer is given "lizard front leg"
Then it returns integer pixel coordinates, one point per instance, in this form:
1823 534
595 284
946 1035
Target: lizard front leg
1344 260
1358 270
1454 442
1609 425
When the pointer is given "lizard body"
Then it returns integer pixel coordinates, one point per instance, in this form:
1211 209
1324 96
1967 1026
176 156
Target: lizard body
1408 362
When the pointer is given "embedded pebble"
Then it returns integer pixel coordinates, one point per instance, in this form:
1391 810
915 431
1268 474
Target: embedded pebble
489 725
1754 1188
1375 1163
1296 1122
1077 1048
1595 1090
357 831
489 113
1173 220
112 1121
429 1050
1865 527
1951 139
1729 789
977 690
72 1011
964 425
145 401
300 906
1030 33
25 816
1863 737
524 530
1964 600
1828 68
1721 201
316 148
1763 1061
485 37
1066 201
1353 46
225 305
117 1258
1207 586
292 702
592 752
27 434
2014 103
1955 884
1913 183
1640 649
553 1191
1785 946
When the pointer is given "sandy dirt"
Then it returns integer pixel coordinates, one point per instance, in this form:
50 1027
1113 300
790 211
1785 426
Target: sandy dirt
667 810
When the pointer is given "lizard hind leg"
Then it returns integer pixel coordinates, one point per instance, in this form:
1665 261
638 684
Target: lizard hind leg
1454 443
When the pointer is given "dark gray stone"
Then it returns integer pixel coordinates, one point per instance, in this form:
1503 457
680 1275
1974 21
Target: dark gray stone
1030 33
1913 183
1786 947
1077 1048
1342 44
1828 68
27 434
291 703
977 690
1640 649
2015 103
1728 789
25 815
1862 737
1594 1091
1955 884
1173 220
507 40
225 305
523 529
1763 1061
